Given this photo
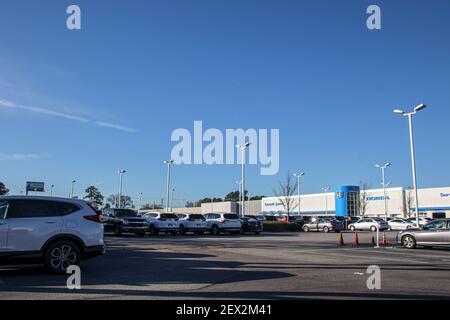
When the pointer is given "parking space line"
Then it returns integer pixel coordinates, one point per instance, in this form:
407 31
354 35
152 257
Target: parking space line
362 257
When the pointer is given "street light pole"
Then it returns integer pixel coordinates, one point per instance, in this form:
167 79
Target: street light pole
383 168
413 157
119 202
298 175
140 201
243 148
240 197
71 192
51 189
169 163
325 191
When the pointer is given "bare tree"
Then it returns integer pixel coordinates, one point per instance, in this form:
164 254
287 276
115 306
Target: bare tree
363 187
285 193
409 202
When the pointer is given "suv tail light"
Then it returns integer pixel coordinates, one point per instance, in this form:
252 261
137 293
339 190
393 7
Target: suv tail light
94 218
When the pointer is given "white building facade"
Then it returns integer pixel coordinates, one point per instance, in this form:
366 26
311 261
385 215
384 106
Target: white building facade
400 202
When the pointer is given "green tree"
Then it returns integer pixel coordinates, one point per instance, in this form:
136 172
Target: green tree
235 196
94 196
126 201
3 189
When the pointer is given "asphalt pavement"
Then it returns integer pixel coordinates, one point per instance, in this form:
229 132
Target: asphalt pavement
268 266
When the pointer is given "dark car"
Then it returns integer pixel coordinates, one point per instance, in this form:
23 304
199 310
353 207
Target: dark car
346 221
250 224
123 221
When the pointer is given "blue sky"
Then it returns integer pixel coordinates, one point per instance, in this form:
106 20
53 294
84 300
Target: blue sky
109 96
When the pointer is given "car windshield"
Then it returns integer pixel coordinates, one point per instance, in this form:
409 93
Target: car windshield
168 216
440 224
125 213
230 216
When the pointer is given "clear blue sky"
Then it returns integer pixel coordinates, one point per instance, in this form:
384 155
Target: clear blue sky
310 68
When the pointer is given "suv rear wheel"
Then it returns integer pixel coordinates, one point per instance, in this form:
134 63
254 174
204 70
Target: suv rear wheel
60 255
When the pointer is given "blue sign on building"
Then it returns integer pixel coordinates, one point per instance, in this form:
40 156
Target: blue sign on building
347 201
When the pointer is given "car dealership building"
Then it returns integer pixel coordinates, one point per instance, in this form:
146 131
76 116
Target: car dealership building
351 201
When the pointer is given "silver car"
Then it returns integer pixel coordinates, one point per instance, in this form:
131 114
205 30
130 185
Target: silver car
369 224
400 224
435 233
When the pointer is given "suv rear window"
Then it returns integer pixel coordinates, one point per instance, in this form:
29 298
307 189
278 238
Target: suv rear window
230 216
66 208
32 209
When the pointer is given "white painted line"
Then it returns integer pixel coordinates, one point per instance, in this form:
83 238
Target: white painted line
340 255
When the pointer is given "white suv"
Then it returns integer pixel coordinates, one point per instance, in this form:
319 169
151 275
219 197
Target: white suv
161 222
192 222
223 222
56 231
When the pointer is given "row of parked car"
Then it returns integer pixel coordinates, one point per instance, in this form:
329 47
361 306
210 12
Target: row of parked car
122 221
337 224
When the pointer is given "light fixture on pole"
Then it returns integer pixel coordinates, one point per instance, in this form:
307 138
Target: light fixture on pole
169 163
298 175
119 197
73 184
413 159
383 168
51 189
243 148
325 191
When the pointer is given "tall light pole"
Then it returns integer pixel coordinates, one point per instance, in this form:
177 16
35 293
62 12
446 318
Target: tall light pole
51 190
240 197
383 168
140 200
413 158
243 147
168 163
325 191
73 184
298 175
119 202
171 199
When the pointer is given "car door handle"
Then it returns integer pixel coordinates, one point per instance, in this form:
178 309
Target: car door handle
50 222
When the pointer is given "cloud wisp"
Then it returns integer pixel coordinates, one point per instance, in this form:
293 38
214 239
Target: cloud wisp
22 156
53 113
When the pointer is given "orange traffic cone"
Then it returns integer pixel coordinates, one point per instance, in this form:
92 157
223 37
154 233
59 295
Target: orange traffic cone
356 239
341 240
384 240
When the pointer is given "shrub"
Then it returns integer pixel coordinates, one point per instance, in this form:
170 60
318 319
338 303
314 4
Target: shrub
274 226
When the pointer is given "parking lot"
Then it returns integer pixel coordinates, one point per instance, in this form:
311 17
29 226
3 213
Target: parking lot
268 266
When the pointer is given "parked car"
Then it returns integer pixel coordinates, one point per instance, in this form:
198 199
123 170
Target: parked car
250 224
162 222
124 221
258 217
223 222
422 221
435 233
192 222
323 224
273 218
369 224
57 232
400 224
346 221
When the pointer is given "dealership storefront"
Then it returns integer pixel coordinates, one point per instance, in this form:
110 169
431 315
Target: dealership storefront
346 201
